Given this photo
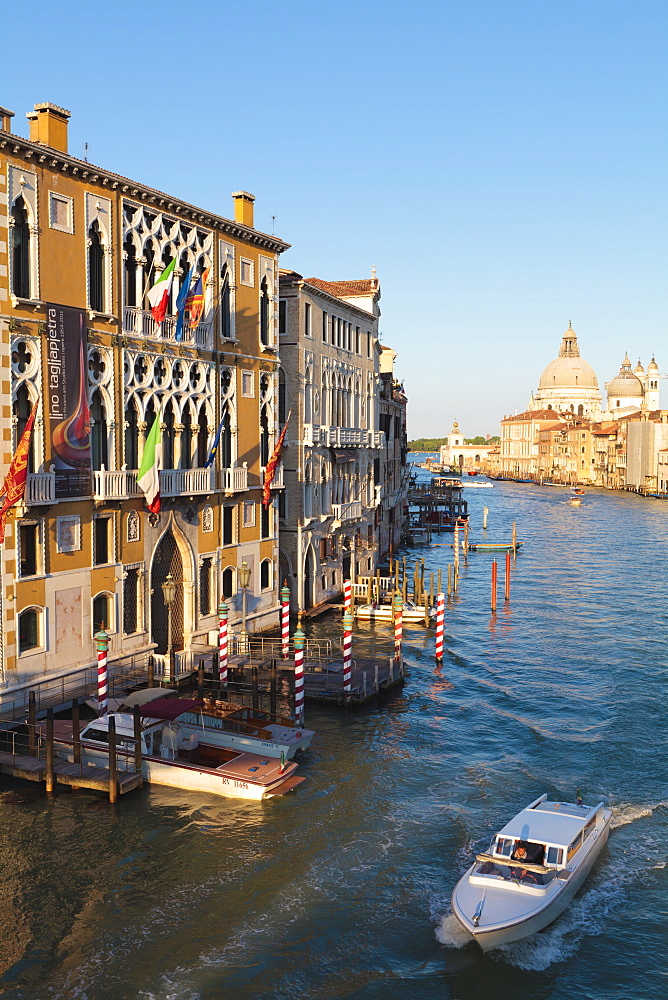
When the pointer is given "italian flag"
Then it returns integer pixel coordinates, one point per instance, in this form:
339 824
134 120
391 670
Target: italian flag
148 479
158 296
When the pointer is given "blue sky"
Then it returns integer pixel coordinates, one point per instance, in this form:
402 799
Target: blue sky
503 165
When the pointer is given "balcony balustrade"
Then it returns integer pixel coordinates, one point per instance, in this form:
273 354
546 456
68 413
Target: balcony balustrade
40 488
351 511
277 482
342 437
122 484
139 323
234 480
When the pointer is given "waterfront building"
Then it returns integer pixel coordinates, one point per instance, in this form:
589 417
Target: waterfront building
80 247
392 510
459 456
521 456
333 448
646 441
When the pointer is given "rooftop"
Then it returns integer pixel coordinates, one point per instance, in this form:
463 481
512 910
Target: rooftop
549 823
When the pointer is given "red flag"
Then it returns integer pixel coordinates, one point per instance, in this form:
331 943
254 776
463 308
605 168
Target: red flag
271 465
14 485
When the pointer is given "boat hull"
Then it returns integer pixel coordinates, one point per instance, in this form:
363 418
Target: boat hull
497 935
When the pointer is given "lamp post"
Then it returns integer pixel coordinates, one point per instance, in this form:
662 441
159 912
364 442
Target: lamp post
169 594
244 580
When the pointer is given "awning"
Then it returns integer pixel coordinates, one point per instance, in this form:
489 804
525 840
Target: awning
342 456
169 708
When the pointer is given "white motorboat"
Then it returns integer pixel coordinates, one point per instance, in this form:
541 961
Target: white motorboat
411 613
176 758
238 728
534 867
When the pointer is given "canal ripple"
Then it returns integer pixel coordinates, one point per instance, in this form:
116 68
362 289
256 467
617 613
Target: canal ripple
343 890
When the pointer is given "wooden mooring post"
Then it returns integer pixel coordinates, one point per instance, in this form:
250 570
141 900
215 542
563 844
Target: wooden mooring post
137 733
49 776
485 512
76 731
255 688
507 593
32 722
272 688
113 762
494 571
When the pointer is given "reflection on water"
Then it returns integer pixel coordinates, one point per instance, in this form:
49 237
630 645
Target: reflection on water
343 889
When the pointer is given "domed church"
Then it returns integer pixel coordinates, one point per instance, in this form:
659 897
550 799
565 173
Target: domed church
569 383
631 390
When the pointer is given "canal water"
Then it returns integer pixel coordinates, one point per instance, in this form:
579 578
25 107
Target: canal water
342 890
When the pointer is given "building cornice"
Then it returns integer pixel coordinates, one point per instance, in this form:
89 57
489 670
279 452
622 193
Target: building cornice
55 159
302 284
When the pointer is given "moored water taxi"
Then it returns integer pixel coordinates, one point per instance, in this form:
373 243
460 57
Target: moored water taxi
179 759
534 867
385 613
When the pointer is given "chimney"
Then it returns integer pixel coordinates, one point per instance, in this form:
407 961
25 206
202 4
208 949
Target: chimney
6 119
48 126
243 208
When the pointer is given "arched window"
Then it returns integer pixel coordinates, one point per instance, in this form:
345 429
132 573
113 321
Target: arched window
20 237
30 621
282 411
22 408
98 432
264 313
168 437
228 582
131 436
186 438
265 574
103 613
130 266
225 303
167 258
225 446
264 435
202 438
148 276
95 268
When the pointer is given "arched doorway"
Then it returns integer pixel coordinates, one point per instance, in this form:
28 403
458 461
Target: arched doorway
167 559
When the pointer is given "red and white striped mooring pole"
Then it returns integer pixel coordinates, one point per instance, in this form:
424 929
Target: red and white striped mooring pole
440 626
298 641
398 628
347 596
102 640
285 621
223 613
347 651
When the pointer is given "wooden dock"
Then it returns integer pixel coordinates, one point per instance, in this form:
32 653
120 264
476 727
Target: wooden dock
76 775
369 680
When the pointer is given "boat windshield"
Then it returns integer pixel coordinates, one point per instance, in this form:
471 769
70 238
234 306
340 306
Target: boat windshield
513 873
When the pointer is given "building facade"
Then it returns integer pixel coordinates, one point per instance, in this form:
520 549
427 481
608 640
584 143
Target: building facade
79 249
333 447
392 516
460 456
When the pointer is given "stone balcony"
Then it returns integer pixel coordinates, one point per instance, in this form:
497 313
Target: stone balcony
139 323
351 511
121 484
277 482
342 437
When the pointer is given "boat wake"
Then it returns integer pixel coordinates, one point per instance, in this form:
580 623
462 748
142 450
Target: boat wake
626 812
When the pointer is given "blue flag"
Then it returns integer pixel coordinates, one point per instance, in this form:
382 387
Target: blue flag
181 304
214 447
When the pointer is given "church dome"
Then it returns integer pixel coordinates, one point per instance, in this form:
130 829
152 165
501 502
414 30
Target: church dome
626 384
639 370
569 370
652 366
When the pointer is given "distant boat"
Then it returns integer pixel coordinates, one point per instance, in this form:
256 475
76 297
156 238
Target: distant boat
495 546
385 612
479 486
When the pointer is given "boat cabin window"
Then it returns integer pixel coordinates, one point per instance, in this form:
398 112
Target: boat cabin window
514 873
98 735
573 846
554 855
589 827
504 846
